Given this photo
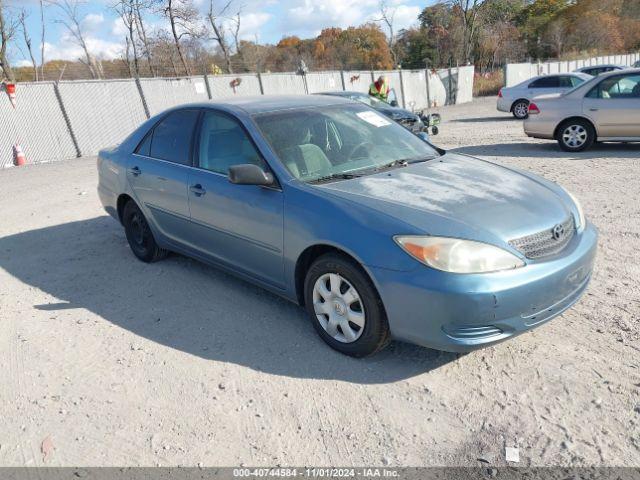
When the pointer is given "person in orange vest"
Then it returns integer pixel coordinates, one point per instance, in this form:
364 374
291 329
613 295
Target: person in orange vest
380 88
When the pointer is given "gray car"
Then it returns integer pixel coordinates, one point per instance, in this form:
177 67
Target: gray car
596 70
516 99
605 109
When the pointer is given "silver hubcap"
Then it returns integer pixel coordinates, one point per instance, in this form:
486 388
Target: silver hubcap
338 308
521 110
574 136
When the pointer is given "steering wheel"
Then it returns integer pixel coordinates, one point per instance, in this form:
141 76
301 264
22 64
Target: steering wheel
362 145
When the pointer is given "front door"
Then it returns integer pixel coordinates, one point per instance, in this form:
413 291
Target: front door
158 173
614 106
238 225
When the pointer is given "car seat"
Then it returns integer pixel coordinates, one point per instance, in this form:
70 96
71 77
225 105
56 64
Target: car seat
304 158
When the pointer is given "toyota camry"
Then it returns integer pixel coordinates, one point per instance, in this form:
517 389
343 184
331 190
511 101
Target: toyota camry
378 234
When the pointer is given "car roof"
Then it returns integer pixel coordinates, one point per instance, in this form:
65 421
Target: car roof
606 65
344 94
254 105
624 71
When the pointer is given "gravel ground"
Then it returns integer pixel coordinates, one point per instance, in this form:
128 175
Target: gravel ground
109 361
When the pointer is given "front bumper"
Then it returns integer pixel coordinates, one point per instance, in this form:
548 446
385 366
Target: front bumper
460 313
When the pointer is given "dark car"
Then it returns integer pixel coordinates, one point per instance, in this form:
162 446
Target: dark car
414 122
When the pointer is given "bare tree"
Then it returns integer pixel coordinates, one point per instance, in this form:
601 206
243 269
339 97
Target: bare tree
216 21
127 12
183 18
387 16
141 6
72 21
469 11
7 30
42 39
22 19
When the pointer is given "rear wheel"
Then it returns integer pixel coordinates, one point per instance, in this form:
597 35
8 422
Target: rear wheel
344 306
139 235
520 109
575 135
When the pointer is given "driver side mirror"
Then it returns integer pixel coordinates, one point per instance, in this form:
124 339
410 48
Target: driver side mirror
394 103
250 174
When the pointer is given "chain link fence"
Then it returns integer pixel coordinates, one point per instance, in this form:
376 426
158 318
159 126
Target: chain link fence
67 119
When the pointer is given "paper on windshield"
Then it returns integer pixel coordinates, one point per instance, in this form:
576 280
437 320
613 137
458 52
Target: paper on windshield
374 119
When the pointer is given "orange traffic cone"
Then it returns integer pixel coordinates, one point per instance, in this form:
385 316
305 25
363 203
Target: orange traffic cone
18 156
11 91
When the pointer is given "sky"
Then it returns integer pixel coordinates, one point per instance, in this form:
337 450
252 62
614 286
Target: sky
266 20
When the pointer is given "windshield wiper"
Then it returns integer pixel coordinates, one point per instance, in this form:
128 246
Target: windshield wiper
402 163
336 176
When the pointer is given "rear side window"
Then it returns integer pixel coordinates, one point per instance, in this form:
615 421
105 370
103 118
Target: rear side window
575 81
565 82
171 138
546 82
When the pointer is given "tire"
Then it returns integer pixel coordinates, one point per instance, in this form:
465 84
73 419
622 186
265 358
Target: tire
520 109
435 130
370 331
575 135
139 235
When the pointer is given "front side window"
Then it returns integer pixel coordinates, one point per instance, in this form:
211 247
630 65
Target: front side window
224 143
565 82
623 87
171 138
338 140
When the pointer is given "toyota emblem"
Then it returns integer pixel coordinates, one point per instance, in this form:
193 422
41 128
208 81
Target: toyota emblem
558 232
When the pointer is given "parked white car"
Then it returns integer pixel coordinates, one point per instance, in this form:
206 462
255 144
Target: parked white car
516 99
596 70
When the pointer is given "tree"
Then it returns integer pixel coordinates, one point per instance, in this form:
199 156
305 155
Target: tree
42 37
387 16
22 19
219 30
141 6
7 30
71 19
127 11
183 18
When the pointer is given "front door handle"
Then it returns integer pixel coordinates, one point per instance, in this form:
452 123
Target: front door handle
593 109
135 171
197 190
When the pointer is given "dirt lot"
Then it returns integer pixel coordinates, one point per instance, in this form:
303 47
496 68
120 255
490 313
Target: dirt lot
109 361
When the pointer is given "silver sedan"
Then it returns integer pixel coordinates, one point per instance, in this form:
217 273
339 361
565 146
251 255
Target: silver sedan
516 99
605 109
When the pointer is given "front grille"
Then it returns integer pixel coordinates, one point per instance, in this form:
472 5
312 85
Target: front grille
548 242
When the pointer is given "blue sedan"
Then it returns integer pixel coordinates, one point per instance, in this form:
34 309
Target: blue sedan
377 233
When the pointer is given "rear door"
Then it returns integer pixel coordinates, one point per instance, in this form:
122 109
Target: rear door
239 225
159 170
614 106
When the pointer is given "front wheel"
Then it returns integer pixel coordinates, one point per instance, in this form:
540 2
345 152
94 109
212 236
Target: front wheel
520 109
575 135
139 235
344 306
435 130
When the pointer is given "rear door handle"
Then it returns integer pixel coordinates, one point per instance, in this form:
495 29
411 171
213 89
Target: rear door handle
135 171
593 109
197 190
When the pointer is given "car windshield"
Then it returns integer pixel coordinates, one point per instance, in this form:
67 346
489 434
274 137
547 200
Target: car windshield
340 141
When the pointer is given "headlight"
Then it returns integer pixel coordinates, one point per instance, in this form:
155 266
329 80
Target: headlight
580 221
458 256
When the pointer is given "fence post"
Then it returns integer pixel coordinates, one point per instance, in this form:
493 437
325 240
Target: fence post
450 79
206 84
74 140
342 79
404 101
260 83
144 100
426 76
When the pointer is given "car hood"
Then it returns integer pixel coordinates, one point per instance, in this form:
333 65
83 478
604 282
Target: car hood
460 196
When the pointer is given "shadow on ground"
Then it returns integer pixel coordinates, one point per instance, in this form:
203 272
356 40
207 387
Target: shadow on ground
188 306
551 150
503 118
